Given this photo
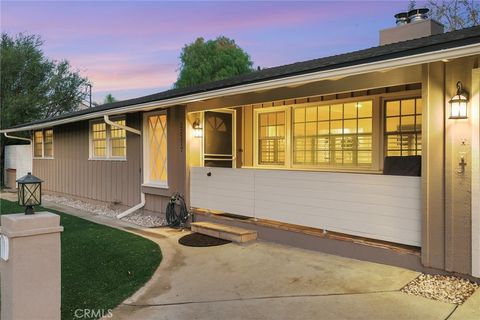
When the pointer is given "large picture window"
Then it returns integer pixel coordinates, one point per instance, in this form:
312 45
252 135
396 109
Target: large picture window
403 127
156 149
333 135
108 142
43 143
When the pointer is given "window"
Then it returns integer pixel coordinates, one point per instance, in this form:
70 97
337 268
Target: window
333 135
99 140
43 143
118 140
108 142
271 138
403 127
155 146
48 143
38 144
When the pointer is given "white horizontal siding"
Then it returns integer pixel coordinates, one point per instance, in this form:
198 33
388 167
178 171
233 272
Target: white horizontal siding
374 206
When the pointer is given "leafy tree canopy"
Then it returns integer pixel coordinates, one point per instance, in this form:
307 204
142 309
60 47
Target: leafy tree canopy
32 86
455 14
204 61
109 98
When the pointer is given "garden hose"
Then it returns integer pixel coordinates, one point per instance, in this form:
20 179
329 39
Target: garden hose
176 213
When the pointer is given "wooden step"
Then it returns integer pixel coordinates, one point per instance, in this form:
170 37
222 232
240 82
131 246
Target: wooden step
224 232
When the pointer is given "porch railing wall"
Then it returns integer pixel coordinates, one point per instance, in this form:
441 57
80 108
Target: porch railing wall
368 205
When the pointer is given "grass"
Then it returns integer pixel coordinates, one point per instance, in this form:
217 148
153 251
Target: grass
101 266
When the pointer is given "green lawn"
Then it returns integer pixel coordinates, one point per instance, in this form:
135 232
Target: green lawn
101 266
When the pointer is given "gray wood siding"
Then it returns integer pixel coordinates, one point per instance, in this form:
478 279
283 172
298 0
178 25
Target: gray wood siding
72 173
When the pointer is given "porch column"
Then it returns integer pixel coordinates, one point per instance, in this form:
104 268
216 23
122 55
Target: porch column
458 195
433 166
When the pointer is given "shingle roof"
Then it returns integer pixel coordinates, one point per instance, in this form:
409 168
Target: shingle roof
433 43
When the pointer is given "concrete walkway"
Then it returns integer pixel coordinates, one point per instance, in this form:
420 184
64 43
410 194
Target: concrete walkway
268 281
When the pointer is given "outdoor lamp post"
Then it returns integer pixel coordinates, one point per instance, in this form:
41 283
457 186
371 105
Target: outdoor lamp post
29 192
458 104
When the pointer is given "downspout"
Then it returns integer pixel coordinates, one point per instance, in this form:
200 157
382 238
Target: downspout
113 124
142 195
18 138
133 209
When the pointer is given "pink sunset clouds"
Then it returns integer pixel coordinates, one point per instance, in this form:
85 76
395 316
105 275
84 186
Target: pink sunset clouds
132 48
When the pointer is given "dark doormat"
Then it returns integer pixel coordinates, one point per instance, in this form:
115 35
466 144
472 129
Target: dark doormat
201 240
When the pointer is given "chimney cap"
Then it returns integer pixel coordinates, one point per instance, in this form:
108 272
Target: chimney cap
418 14
402 18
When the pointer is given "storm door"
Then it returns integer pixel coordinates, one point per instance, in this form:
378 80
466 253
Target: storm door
219 143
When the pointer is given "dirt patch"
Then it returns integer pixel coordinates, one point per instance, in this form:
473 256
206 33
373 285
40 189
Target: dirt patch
201 240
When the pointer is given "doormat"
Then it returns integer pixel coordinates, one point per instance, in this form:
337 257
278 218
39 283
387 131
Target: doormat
201 240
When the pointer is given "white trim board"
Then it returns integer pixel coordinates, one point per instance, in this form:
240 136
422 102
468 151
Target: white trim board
452 53
475 123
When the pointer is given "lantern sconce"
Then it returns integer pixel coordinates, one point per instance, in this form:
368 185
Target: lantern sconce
458 104
29 192
197 129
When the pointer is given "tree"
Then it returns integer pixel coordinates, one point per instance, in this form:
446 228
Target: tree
455 14
204 61
32 86
109 98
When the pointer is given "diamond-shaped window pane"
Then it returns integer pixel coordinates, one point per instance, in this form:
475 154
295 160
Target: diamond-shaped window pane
157 144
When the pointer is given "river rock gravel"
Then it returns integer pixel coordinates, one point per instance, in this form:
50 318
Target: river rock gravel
447 289
138 218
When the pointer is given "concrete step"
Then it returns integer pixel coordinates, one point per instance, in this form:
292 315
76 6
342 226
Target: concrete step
224 232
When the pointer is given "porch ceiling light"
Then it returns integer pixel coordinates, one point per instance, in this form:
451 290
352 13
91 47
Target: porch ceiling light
197 129
458 104
29 192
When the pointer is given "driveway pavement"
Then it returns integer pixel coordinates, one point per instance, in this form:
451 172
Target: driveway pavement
263 280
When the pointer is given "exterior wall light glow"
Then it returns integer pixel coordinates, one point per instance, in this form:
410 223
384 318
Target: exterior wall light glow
29 192
458 104
197 129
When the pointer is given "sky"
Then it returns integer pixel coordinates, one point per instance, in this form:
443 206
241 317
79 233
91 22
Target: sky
132 48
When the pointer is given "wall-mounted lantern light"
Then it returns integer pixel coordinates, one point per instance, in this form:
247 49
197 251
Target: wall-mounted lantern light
197 129
458 104
29 192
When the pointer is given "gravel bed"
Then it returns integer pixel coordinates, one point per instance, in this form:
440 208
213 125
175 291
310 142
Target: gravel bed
442 288
137 218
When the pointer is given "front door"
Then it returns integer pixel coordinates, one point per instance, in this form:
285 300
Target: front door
219 144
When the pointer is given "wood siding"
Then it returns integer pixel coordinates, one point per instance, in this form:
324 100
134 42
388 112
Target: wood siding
373 206
70 172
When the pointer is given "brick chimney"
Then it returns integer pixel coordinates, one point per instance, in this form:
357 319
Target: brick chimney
411 25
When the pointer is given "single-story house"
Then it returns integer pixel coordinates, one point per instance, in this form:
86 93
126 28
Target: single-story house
360 153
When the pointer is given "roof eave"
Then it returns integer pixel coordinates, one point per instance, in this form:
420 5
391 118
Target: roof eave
295 80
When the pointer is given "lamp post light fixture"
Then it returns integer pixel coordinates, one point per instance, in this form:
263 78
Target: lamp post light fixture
197 129
29 192
458 104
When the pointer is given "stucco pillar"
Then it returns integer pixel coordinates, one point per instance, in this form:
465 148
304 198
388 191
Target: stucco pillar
31 284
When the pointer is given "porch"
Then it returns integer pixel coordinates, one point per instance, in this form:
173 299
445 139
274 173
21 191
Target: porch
316 162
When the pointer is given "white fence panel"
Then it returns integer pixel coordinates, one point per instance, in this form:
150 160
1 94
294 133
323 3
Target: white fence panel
18 157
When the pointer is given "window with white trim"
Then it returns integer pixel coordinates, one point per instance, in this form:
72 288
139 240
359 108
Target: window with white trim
403 127
333 135
43 143
271 138
156 149
108 142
